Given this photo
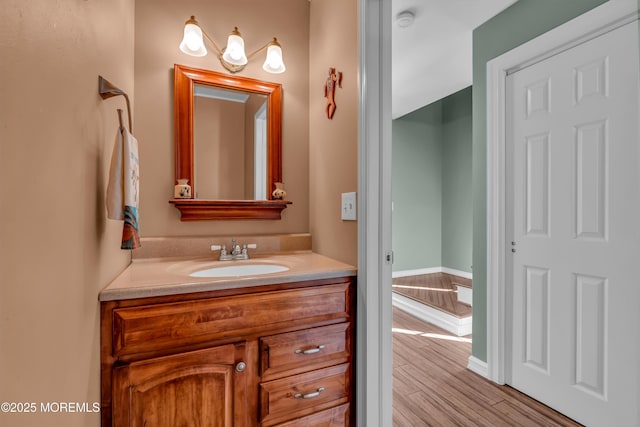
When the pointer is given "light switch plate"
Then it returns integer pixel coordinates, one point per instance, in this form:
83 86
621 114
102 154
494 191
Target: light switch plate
349 206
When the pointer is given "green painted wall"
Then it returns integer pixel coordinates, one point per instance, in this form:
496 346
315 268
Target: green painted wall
520 23
432 214
457 212
417 184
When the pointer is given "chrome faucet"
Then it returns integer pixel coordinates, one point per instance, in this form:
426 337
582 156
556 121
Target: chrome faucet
235 249
237 252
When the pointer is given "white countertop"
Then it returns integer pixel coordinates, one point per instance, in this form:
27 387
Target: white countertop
170 276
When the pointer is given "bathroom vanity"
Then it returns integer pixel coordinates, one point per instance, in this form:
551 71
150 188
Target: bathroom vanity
258 350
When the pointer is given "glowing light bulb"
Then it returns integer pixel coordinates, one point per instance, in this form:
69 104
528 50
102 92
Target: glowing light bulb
192 43
274 63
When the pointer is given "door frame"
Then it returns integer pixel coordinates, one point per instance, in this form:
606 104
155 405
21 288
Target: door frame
587 26
374 309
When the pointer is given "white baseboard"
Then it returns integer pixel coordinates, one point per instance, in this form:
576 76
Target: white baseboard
417 272
431 270
457 272
453 324
478 366
465 295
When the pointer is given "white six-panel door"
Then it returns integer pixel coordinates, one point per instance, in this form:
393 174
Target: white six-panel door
573 208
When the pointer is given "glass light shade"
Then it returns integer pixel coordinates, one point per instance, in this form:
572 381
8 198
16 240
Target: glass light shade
192 43
273 63
234 52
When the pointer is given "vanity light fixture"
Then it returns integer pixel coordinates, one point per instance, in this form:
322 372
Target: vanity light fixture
232 57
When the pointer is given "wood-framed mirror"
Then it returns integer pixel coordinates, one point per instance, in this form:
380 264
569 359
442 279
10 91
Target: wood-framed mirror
226 190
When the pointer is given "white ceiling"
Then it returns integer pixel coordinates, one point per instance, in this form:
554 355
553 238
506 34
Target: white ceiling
433 57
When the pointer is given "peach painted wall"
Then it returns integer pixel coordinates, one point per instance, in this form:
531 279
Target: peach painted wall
333 144
159 25
57 249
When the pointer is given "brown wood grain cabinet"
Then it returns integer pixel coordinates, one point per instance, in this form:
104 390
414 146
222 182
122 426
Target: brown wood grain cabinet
273 355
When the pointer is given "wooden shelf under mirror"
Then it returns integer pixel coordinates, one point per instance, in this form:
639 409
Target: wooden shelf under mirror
202 210
258 177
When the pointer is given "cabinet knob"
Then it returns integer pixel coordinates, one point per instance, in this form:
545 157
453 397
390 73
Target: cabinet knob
309 395
310 350
241 366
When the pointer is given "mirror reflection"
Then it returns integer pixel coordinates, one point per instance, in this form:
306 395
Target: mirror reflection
230 143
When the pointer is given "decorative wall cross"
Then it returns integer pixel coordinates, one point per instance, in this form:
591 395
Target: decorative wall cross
330 90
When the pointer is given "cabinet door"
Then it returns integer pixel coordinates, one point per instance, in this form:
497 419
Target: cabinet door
199 388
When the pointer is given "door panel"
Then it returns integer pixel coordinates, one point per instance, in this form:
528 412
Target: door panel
591 180
574 205
537 318
537 186
591 339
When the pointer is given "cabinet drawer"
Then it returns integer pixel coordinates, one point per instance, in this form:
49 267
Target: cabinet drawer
301 395
334 417
171 325
305 350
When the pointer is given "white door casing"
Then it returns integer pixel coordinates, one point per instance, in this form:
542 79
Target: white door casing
260 191
572 209
374 318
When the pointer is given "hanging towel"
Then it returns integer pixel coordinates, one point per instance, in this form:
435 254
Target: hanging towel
122 190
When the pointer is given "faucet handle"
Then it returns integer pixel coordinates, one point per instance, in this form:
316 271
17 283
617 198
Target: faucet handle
244 254
221 248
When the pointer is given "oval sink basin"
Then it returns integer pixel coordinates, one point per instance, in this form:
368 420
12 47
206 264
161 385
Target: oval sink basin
239 270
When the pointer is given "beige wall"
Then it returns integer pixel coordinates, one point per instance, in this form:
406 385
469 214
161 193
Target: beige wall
57 249
159 25
333 144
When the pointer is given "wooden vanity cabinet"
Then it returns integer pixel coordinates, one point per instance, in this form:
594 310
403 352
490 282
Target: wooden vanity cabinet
273 355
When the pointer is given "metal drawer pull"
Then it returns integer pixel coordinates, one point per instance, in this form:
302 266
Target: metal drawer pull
310 395
310 351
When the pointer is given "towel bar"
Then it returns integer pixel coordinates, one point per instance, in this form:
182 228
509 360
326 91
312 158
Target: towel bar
119 110
107 90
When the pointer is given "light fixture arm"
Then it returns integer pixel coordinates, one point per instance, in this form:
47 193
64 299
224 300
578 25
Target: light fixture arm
215 46
255 52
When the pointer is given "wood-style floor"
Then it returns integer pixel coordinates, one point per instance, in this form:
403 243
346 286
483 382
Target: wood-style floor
437 290
433 387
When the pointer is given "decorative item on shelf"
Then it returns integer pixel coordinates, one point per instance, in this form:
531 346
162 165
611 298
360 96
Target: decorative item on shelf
279 193
330 90
233 56
182 190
